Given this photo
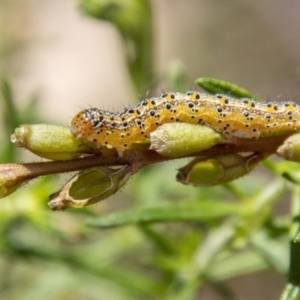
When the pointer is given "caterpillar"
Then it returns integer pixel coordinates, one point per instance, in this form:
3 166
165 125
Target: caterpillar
244 118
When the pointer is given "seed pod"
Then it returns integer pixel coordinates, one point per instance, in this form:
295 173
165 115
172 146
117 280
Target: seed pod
209 171
90 186
12 176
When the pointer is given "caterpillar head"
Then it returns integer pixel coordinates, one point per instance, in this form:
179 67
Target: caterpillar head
86 122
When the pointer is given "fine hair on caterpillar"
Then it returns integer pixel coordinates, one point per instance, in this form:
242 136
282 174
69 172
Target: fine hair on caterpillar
244 118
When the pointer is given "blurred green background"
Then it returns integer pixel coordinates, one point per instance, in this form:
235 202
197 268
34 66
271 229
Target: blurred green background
57 57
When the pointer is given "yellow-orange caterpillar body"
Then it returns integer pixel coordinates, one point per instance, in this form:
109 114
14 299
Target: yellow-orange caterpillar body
243 118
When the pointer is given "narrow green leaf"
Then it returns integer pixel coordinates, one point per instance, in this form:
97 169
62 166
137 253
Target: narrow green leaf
160 240
216 86
171 212
133 20
237 265
273 251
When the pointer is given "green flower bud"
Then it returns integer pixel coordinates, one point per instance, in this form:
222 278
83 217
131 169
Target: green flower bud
180 139
90 186
290 149
207 171
49 141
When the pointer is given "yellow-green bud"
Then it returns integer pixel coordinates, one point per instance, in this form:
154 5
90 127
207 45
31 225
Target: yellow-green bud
290 149
180 139
49 141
